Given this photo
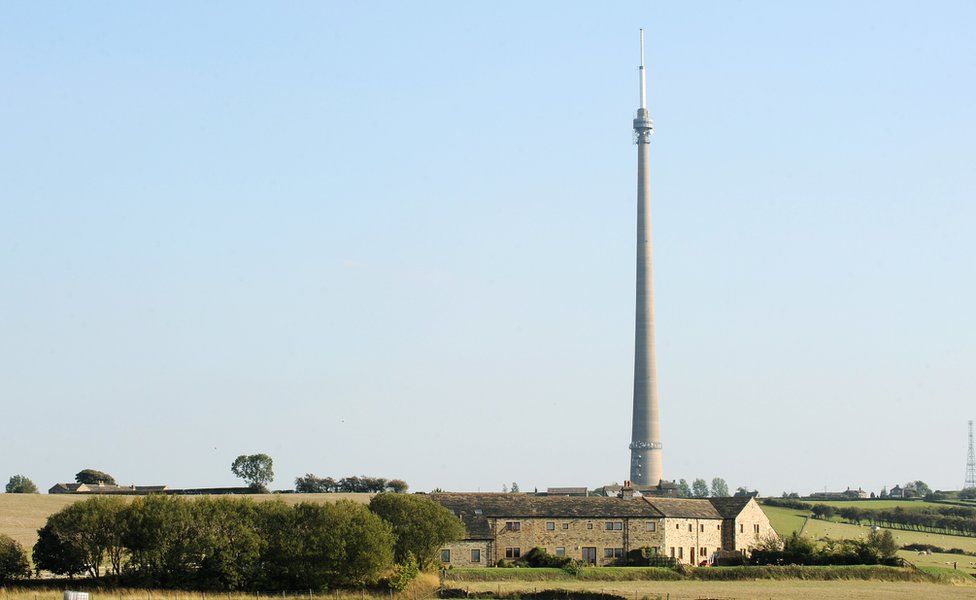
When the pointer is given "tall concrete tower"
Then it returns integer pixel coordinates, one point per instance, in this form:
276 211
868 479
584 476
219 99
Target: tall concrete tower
645 445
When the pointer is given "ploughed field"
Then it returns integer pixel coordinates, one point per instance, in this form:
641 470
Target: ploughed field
21 515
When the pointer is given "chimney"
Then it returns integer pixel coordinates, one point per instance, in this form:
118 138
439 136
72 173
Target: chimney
627 491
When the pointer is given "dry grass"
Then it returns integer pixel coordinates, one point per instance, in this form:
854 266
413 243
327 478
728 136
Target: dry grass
21 515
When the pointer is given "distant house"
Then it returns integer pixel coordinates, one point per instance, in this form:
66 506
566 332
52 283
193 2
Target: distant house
746 494
897 492
847 494
567 491
104 488
664 489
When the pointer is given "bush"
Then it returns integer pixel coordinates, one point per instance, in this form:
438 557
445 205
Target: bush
13 560
539 558
786 503
403 574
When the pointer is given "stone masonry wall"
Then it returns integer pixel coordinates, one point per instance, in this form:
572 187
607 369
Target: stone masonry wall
746 535
692 540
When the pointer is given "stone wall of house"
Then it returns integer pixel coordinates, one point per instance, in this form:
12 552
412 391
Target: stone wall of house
692 540
568 537
751 527
464 553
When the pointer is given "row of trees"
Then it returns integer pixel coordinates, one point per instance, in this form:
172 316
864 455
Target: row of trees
699 488
310 484
953 520
228 544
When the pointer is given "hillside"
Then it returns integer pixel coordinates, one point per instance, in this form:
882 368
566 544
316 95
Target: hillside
21 515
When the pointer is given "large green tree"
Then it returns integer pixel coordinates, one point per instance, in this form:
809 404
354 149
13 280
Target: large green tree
699 489
256 469
82 537
20 484
421 526
684 490
94 477
720 489
13 560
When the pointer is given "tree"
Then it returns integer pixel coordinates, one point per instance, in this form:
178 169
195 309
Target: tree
420 526
919 487
256 469
94 477
699 489
515 488
397 486
684 490
20 484
310 484
883 544
84 534
53 554
13 560
720 489
968 494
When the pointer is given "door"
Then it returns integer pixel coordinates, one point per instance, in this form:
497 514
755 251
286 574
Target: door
693 557
589 555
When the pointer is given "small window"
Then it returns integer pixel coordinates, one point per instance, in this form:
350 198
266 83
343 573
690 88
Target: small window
701 528
560 551
513 526
589 525
689 526
608 553
618 552
677 526
550 526
513 552
681 551
445 556
720 527
565 525
672 551
618 526
756 526
475 555
650 526
608 526
742 528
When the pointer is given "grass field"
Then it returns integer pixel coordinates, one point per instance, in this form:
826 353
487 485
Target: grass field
21 515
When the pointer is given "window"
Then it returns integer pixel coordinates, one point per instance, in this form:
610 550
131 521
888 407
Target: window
672 551
475 555
560 551
703 552
677 526
445 556
681 552
618 526
689 526
756 527
513 552
608 526
608 553
613 553
742 528
550 526
701 528
513 526
565 525
650 526
720 527
589 525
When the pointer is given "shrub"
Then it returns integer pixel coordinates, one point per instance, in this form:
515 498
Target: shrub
403 574
13 560
539 558
786 503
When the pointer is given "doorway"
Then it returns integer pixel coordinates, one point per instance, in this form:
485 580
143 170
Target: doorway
589 555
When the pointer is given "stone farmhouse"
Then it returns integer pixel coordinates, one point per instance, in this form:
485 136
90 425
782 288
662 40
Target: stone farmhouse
600 530
105 488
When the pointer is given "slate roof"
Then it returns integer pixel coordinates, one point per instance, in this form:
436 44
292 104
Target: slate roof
730 508
684 508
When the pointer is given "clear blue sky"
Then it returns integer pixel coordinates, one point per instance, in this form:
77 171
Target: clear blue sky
399 240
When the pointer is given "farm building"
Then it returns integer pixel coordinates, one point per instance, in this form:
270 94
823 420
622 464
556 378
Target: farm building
600 530
104 488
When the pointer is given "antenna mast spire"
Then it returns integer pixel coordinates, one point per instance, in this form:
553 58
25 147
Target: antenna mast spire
643 76
970 462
